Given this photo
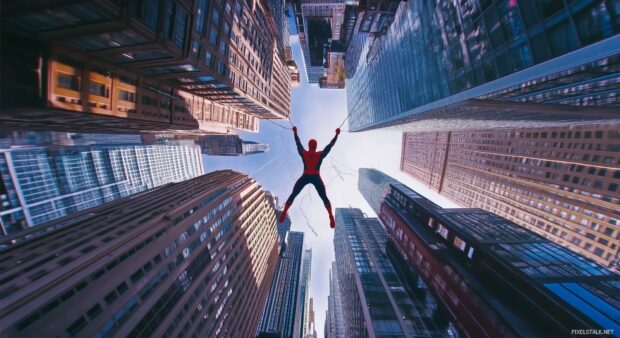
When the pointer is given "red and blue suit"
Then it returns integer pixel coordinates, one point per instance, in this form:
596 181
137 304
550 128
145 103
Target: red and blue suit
312 160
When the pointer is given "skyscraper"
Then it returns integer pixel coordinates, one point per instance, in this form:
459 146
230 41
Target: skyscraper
17 138
374 185
189 258
334 320
229 145
445 65
310 326
198 67
562 183
40 184
278 11
303 297
375 301
497 278
280 309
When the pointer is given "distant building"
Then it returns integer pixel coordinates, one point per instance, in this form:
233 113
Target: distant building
278 10
190 258
446 65
335 76
229 145
40 184
497 278
375 301
27 138
374 185
293 72
334 320
562 183
278 317
300 329
310 329
165 66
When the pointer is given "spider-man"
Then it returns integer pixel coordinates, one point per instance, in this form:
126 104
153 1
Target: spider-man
312 164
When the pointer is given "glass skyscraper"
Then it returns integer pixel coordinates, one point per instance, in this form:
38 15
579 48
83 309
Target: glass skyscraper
280 308
39 184
301 314
497 278
375 300
374 185
486 63
230 145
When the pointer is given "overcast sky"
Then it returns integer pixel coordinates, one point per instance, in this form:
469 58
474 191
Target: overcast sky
317 113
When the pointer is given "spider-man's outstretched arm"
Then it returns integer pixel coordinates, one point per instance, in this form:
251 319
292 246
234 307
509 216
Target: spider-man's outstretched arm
331 144
300 148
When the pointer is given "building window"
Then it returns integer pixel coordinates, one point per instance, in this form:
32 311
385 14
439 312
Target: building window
151 14
99 89
169 19
195 49
147 100
470 253
215 16
208 59
180 31
213 36
126 96
74 328
68 81
443 231
459 243
200 16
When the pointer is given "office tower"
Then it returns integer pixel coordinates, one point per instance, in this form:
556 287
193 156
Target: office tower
283 227
334 320
40 184
301 314
445 65
28 138
374 185
562 183
229 145
334 77
375 301
278 12
278 316
195 67
497 278
189 258
310 330
88 139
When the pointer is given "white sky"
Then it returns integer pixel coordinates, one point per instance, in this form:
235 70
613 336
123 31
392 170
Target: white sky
317 113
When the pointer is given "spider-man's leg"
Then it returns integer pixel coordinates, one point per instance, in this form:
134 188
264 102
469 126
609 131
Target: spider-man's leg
320 188
299 185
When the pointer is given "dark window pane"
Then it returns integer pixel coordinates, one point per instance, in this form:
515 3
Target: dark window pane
562 38
200 16
180 31
169 19
594 23
151 14
68 81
